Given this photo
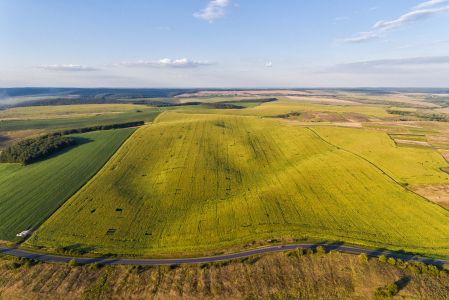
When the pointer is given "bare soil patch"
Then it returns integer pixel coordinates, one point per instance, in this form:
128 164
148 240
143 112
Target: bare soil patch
438 193
411 142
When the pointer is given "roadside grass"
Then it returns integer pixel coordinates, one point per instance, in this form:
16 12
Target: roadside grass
189 184
293 275
30 194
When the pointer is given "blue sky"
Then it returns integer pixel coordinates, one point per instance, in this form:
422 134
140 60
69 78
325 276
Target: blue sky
224 43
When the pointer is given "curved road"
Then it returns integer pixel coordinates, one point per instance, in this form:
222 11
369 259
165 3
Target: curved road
208 259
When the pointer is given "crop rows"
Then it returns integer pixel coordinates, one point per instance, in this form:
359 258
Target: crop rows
193 183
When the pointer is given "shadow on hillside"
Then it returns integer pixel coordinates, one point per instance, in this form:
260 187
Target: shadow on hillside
403 282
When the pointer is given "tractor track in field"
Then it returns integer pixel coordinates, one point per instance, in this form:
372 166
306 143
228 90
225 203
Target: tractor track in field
50 258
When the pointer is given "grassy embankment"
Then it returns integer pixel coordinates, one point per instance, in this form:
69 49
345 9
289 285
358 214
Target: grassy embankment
274 276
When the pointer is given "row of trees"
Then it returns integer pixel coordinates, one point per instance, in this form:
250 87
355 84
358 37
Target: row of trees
99 127
31 150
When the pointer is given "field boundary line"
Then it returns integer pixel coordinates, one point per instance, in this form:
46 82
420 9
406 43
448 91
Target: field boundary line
377 167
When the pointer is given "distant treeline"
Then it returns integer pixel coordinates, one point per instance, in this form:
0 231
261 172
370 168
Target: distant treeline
257 100
94 92
97 128
32 150
400 112
288 115
35 149
234 104
116 99
429 116
224 106
97 100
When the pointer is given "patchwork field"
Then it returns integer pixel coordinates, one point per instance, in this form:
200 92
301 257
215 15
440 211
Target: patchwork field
193 183
407 165
288 105
30 194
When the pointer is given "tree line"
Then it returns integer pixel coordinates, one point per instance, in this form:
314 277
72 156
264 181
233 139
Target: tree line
34 149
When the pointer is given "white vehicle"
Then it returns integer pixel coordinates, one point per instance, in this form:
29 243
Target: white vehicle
24 233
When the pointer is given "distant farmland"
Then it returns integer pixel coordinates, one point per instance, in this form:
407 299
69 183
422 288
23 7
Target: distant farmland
47 118
197 183
29 194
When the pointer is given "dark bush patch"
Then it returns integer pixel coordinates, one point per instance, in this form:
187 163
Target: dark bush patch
32 150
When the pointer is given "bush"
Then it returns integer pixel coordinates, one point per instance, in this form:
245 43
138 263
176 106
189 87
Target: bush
73 262
382 258
32 150
299 252
320 250
363 257
387 292
391 261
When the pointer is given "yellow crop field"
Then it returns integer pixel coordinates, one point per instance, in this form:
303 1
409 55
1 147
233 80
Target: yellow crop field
409 165
285 106
191 184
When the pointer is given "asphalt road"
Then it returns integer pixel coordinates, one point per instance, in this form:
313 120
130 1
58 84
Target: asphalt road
199 260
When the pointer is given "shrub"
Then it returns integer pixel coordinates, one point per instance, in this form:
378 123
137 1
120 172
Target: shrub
363 257
387 292
382 258
334 252
391 261
73 262
433 270
320 250
309 251
31 150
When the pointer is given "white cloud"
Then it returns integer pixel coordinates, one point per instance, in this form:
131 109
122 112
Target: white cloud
422 11
362 37
389 65
168 63
431 3
269 64
67 67
214 10
412 16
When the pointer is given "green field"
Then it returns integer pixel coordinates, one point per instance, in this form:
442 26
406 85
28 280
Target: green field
30 194
190 184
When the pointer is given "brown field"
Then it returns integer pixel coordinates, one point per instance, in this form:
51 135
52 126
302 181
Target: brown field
412 143
438 193
10 137
274 276
323 100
